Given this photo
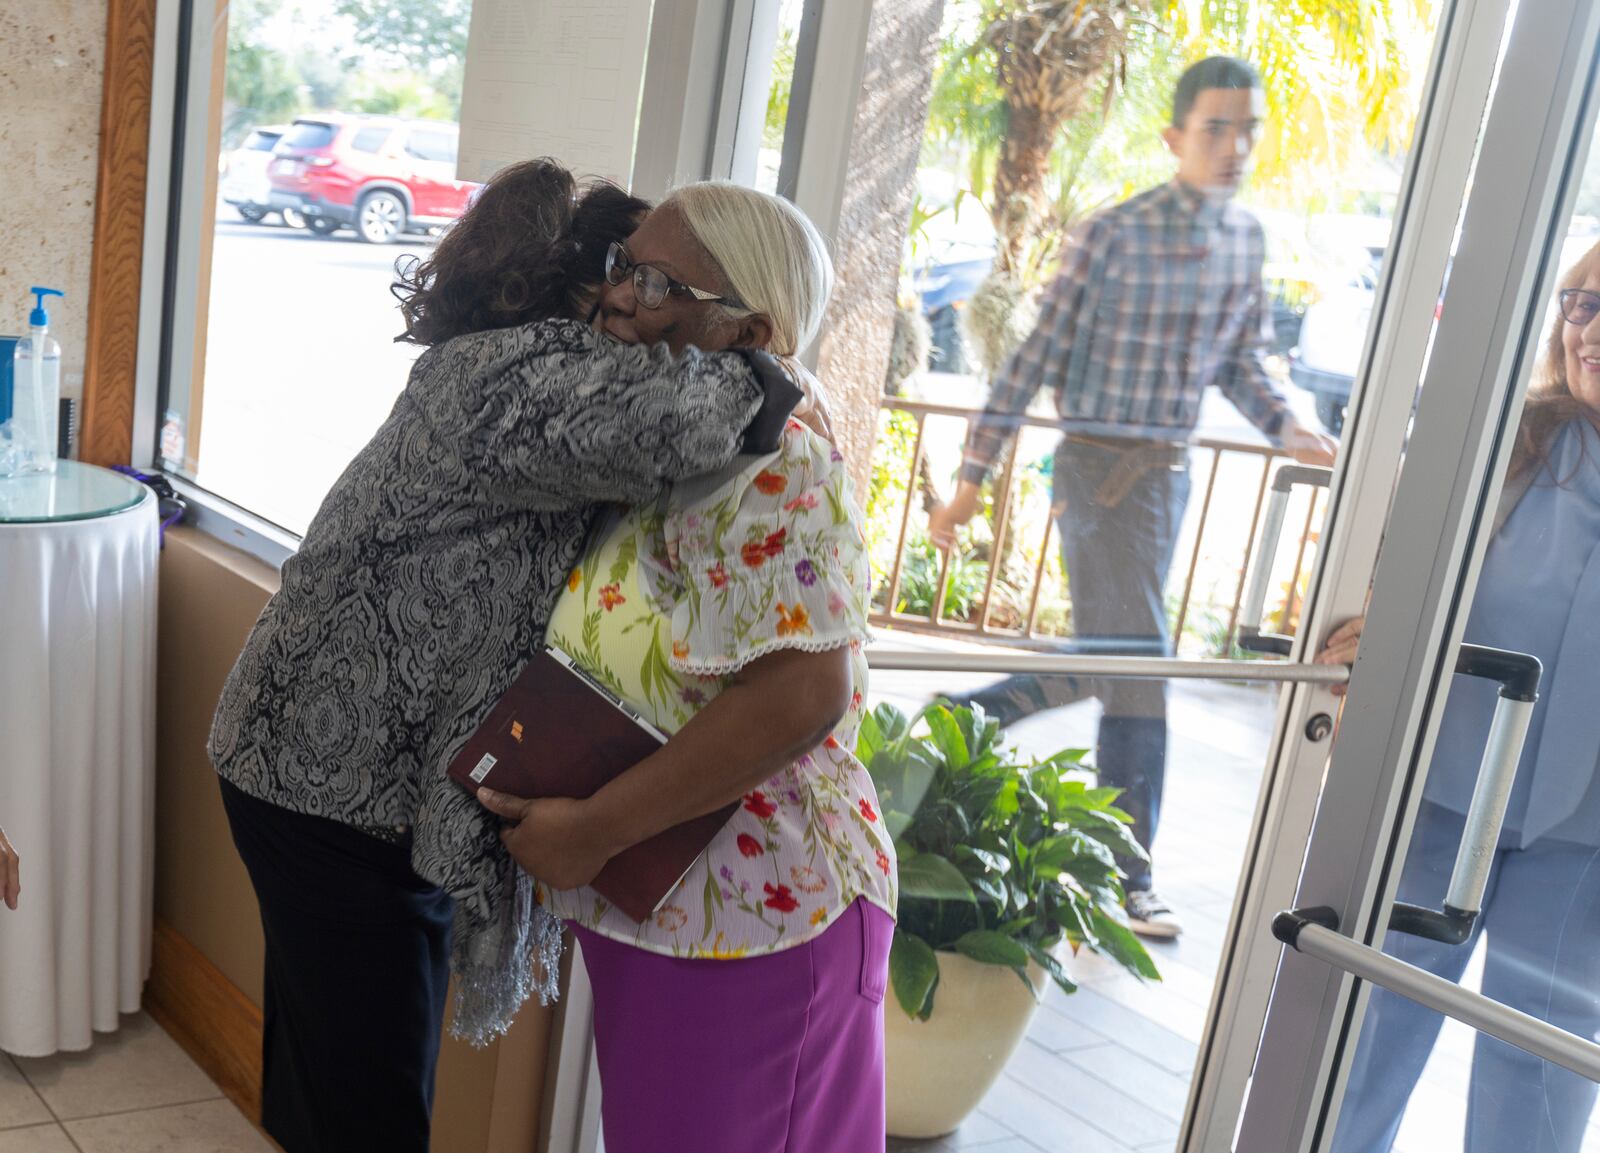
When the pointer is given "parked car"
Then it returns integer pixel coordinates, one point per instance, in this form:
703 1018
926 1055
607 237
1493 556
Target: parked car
244 183
955 252
380 176
1332 335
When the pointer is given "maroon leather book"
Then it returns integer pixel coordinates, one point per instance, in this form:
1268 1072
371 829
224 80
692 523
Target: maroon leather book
558 732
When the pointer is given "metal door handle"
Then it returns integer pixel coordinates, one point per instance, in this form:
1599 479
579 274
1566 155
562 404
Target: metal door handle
1250 636
1314 932
1518 675
1015 660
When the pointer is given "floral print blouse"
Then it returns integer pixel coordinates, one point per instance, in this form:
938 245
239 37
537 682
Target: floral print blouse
664 608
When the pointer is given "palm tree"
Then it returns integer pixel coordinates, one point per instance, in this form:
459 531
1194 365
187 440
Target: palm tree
1049 57
1022 79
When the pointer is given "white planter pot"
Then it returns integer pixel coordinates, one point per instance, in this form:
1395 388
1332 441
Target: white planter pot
939 1069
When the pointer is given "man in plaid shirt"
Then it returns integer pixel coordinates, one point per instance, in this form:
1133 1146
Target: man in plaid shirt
1156 298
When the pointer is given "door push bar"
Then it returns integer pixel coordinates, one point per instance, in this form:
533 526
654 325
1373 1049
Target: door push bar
1084 665
1314 932
1518 675
1250 637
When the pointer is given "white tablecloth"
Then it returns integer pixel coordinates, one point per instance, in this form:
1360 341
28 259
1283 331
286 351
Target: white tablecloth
77 773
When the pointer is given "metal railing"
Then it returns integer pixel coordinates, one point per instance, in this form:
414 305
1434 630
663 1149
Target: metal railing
982 624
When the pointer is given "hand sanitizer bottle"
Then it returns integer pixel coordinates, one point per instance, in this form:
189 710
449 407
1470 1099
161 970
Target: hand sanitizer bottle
36 391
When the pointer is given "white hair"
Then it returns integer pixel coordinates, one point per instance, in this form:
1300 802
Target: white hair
772 257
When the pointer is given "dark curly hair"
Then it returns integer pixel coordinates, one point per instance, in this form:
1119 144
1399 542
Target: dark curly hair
532 246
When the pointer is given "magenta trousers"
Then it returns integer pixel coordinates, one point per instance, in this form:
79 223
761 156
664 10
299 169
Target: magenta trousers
781 1053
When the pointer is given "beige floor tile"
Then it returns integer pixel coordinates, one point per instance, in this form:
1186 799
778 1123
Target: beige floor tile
38 1139
137 1067
19 1104
206 1127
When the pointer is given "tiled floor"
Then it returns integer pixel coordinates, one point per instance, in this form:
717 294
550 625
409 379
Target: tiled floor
134 1091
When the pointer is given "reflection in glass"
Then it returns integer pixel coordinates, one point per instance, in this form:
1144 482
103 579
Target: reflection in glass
1086 259
1535 944
336 155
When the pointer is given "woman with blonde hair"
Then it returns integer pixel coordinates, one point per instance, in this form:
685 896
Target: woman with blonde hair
746 1016
1539 592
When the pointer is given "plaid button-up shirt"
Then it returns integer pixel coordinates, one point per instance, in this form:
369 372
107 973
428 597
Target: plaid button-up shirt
1157 297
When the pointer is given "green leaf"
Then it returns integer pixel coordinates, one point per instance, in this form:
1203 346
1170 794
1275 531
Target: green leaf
992 948
994 862
892 723
993 888
870 740
1119 840
913 973
1074 918
1118 941
1048 962
932 877
947 737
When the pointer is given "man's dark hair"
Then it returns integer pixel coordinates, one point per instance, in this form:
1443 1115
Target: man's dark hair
531 247
1212 72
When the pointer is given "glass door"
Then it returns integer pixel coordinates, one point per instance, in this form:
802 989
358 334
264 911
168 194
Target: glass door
1437 991
1134 602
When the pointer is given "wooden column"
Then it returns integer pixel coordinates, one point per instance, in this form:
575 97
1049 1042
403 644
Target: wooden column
110 358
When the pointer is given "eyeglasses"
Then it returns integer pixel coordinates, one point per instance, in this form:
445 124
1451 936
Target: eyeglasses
650 284
1579 305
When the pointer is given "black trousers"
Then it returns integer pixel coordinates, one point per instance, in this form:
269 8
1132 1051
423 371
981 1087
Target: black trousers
358 951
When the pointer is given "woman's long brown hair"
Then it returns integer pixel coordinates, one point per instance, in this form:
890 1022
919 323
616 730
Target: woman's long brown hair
1550 404
531 247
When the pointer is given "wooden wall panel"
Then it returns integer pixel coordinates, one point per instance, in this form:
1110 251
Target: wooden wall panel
113 328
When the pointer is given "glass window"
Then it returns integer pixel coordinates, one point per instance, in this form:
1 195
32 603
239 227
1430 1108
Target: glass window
432 144
287 250
261 141
370 139
1195 315
783 59
307 135
1532 945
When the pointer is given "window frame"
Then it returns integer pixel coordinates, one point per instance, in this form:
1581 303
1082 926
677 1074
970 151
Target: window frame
699 62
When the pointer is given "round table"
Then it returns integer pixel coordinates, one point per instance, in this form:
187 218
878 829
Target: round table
78 564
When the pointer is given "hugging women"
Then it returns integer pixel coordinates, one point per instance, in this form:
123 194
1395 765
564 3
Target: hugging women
594 447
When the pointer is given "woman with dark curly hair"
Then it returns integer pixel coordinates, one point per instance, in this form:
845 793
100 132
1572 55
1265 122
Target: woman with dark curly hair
422 585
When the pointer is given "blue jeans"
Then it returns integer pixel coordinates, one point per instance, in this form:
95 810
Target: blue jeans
1542 916
1116 560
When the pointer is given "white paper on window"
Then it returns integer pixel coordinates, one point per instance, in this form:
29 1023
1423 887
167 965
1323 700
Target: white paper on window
556 78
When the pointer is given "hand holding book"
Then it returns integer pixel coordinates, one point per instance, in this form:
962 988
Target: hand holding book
555 838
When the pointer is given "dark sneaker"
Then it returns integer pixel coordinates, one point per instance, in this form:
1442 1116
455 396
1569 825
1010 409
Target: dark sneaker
1150 916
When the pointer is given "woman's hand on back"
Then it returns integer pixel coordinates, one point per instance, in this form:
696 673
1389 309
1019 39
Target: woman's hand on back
812 411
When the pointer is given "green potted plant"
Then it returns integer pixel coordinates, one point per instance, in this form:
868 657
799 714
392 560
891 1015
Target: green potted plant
1007 867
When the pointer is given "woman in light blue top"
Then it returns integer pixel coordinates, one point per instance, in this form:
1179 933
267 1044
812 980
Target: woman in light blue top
1539 593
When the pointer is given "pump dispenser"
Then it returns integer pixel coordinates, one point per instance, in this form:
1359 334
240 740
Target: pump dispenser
36 388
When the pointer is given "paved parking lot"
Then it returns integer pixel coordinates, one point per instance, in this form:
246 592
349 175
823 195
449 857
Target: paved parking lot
300 364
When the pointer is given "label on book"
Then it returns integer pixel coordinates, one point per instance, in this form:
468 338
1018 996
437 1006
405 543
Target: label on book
481 769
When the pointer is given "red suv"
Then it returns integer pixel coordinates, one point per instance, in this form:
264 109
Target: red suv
379 176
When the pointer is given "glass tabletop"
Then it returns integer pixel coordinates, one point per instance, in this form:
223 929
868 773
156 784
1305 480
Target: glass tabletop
74 492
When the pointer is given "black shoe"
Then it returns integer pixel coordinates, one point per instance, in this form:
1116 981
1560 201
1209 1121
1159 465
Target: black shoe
1150 916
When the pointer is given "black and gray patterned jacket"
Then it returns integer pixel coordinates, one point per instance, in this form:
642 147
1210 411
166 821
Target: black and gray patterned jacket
426 580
